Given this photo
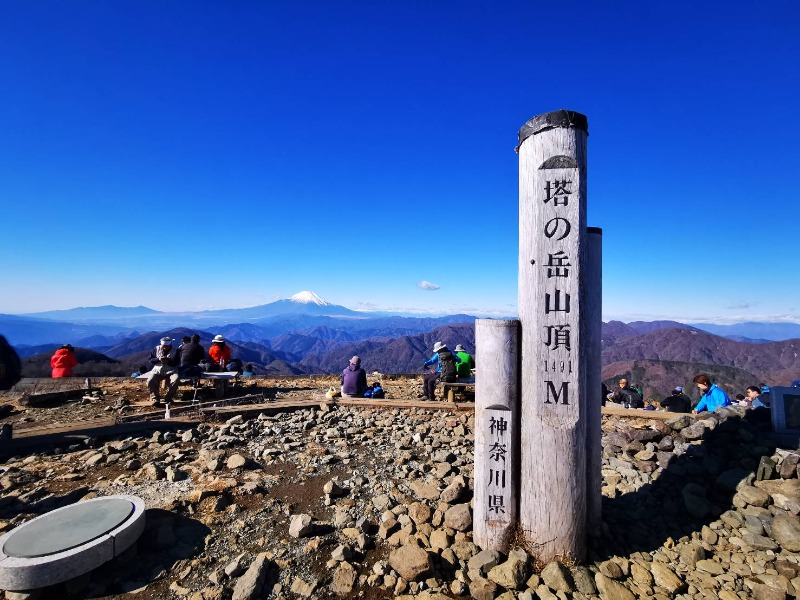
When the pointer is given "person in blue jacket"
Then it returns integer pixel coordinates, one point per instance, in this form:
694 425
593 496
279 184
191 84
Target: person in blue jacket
446 369
711 396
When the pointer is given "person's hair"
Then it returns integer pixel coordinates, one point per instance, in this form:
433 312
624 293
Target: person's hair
249 367
702 379
186 339
740 396
68 347
753 388
195 338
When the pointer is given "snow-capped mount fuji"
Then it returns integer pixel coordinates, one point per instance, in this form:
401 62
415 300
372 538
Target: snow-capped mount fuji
307 297
302 303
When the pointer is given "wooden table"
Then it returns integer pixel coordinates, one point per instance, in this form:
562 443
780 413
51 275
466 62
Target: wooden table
220 379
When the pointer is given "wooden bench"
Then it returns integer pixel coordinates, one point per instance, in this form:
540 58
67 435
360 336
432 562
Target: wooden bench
460 387
219 378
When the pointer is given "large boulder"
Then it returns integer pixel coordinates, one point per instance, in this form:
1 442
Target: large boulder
300 526
786 532
250 585
411 562
458 517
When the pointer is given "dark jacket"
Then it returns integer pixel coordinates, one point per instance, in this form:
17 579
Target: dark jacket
354 381
10 365
677 403
191 354
631 396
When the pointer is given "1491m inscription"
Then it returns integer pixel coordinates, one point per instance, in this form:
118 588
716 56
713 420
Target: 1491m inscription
561 366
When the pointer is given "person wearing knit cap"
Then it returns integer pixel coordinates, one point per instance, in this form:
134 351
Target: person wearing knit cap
677 402
354 379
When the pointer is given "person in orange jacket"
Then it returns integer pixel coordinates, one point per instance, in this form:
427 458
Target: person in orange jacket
219 351
63 361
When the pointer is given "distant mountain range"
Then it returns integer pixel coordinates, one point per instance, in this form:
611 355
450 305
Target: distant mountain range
303 303
754 331
306 334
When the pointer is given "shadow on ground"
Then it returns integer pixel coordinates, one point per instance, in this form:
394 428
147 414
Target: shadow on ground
692 491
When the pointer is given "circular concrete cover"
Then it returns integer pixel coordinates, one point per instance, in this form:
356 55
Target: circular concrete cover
69 528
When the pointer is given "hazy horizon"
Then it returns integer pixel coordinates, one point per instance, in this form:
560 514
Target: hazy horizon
624 319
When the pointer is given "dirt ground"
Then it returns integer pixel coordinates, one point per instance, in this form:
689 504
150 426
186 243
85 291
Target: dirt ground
127 397
189 542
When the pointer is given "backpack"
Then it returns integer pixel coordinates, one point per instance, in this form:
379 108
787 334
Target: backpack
634 398
209 366
374 391
448 363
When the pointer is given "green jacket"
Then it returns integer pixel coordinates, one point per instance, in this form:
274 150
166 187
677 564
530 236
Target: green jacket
467 363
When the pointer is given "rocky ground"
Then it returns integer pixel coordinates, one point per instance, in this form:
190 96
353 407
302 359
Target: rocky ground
375 503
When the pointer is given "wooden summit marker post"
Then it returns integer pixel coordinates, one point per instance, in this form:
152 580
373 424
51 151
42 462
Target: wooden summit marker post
552 294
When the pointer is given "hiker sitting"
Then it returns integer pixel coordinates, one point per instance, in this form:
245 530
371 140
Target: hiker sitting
354 379
164 369
189 356
712 396
446 369
219 352
63 361
677 402
755 399
464 368
627 396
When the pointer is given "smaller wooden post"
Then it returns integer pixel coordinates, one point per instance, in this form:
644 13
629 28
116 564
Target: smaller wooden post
497 426
593 319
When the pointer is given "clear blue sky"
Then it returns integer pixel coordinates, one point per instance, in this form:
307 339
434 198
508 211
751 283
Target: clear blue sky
192 155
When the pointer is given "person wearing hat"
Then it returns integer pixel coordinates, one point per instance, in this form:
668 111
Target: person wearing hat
164 369
354 379
446 369
464 368
63 361
677 402
219 352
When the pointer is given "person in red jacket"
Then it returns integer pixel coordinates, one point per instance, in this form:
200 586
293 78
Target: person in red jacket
63 361
219 351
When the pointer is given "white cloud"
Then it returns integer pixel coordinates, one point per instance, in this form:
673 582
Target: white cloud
427 285
742 305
